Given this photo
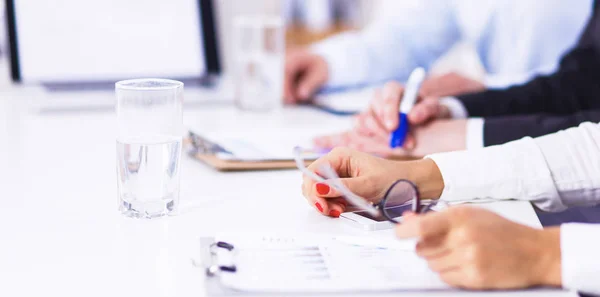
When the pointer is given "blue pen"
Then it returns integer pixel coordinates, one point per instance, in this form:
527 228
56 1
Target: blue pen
408 101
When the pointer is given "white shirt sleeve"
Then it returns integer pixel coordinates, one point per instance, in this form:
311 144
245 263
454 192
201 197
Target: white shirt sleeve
474 133
554 172
392 46
579 245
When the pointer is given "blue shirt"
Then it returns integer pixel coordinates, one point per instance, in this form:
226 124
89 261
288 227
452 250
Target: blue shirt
515 39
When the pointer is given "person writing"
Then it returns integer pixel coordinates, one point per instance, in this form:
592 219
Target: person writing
404 37
476 249
544 105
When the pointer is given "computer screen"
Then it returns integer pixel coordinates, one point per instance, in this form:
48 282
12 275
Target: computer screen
103 40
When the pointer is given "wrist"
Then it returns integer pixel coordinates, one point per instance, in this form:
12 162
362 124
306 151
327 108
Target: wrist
428 178
548 267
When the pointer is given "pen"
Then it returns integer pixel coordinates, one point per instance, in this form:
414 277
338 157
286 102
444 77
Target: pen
408 101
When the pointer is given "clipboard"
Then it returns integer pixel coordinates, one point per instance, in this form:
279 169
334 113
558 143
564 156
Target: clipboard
270 264
208 152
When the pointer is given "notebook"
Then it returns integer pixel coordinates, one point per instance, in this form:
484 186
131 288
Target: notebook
313 264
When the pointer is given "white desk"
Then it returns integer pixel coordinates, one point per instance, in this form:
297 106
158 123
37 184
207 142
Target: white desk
61 233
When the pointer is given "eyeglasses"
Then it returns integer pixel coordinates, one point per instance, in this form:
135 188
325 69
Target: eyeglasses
401 196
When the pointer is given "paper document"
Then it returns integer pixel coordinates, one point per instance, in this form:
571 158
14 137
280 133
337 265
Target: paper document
248 146
322 264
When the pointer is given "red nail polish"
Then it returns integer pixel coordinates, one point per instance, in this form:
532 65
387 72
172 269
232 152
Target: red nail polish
323 189
334 213
319 207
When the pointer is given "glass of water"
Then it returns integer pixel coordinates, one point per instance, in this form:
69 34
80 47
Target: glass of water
259 46
149 136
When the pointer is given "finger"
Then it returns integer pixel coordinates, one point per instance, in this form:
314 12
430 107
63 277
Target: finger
424 111
338 159
292 70
432 248
425 226
369 144
307 185
310 81
359 124
329 190
375 126
391 95
443 263
296 64
331 207
367 125
454 277
410 142
376 105
408 215
328 141
336 207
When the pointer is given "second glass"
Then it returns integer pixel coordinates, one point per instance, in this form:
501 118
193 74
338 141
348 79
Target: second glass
149 139
259 46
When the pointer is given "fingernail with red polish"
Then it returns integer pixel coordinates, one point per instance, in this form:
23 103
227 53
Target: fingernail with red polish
323 189
334 213
319 207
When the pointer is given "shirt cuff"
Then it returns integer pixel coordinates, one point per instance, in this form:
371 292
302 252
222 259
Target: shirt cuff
516 170
455 106
579 245
474 133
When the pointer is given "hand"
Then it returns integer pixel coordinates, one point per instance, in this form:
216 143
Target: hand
450 84
368 177
476 249
305 72
433 137
381 118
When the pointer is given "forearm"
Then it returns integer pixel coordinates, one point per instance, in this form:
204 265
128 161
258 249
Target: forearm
567 91
554 171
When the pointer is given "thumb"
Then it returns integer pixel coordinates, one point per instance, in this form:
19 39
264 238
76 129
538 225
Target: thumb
309 83
425 111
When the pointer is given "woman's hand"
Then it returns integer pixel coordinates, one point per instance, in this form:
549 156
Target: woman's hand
369 177
477 249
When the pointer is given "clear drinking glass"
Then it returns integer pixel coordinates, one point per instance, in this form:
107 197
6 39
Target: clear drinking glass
259 47
149 136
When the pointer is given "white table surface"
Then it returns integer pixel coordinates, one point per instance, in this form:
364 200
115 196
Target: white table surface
62 235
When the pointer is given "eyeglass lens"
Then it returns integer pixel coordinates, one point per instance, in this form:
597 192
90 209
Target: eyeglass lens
401 197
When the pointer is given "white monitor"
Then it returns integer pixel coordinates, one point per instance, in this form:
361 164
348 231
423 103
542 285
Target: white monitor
66 41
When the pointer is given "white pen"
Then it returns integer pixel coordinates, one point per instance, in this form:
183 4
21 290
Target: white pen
409 99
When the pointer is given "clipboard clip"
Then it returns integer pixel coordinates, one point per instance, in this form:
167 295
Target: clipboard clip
201 145
214 269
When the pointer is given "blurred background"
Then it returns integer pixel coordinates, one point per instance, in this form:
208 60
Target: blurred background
306 22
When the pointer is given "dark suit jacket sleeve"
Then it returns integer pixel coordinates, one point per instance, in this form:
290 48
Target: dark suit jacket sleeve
498 130
574 88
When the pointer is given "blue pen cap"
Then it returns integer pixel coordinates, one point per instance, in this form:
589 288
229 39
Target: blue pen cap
399 135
